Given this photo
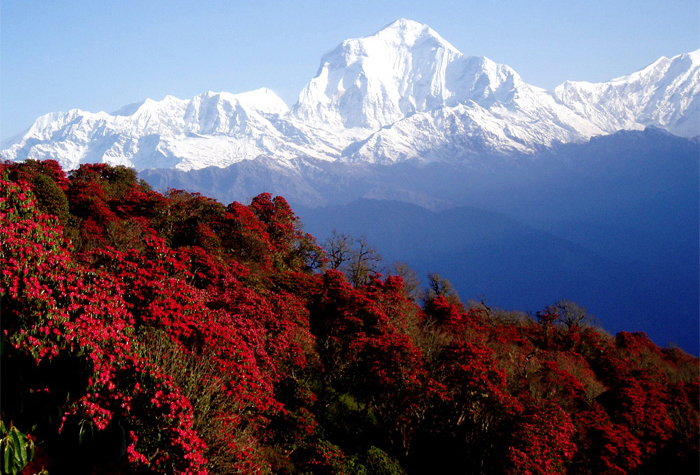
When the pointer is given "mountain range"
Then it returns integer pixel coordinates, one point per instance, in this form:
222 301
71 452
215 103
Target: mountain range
402 94
453 164
613 224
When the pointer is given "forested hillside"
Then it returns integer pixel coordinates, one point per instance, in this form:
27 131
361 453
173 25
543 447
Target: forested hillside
169 333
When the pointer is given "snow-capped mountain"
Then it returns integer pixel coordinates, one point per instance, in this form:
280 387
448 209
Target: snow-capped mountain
408 93
401 94
665 94
211 129
375 81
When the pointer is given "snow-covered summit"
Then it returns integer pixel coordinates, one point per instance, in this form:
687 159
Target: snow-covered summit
160 134
665 94
405 31
403 93
405 68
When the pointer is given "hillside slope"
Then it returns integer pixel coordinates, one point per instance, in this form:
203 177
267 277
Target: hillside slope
168 333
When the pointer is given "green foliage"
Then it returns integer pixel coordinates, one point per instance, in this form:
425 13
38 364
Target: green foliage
379 462
51 199
16 450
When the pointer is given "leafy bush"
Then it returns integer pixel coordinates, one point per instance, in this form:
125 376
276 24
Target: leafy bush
167 333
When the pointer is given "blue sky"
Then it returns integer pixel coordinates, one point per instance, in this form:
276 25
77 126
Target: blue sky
58 55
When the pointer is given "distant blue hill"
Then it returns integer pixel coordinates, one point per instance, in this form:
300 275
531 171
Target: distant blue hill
511 265
612 223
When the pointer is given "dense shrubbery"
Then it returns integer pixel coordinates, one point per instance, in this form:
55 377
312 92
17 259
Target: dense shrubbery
151 333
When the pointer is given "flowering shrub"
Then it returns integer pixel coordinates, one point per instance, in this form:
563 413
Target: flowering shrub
541 442
57 312
167 333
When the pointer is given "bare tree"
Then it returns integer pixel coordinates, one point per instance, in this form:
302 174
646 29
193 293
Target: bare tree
439 286
357 259
364 263
411 281
338 248
571 314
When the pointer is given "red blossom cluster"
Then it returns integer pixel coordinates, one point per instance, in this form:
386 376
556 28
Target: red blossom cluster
167 333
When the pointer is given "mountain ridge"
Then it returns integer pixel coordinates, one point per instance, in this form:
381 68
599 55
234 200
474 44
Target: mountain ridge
401 94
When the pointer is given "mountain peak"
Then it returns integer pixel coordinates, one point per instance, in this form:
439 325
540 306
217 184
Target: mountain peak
263 99
405 24
373 81
693 56
408 33
400 93
663 94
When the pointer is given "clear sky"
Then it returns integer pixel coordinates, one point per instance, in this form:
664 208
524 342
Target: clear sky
58 55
